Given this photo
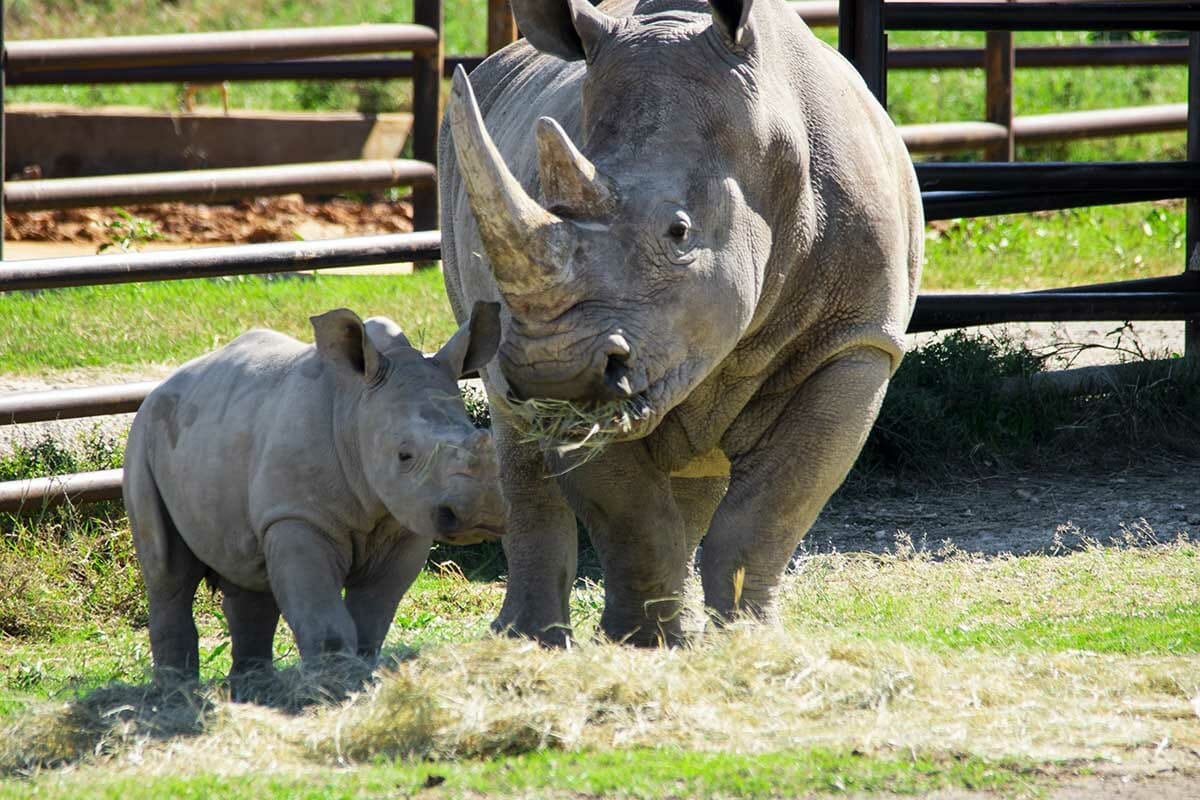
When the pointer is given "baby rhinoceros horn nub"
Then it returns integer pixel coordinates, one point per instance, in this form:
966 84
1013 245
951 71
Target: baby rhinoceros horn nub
569 179
526 244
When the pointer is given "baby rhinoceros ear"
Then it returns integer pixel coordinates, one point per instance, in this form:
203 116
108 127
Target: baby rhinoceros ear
342 341
475 342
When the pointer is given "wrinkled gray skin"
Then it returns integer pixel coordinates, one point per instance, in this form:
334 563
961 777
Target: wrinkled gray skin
701 205
285 472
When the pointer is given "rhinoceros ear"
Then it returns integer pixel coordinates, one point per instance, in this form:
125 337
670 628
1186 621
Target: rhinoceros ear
342 340
569 29
732 19
475 342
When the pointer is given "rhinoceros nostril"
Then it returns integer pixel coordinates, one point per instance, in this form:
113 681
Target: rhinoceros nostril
445 520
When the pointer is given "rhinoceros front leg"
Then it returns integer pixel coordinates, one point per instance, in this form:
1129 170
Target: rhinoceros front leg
778 487
639 534
372 597
307 572
540 544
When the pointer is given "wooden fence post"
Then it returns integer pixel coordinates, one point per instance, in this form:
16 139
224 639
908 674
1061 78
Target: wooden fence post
999 60
427 111
501 26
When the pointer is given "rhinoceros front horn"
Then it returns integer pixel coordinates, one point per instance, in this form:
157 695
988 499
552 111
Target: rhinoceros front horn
526 244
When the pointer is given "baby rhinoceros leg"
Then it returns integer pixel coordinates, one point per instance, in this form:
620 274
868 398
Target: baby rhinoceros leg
252 618
372 593
172 573
307 571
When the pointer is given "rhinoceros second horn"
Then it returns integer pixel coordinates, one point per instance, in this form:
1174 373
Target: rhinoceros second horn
569 179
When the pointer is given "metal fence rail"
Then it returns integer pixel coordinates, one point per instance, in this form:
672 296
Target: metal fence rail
949 137
202 56
39 493
246 259
213 185
206 48
88 401
1115 15
325 69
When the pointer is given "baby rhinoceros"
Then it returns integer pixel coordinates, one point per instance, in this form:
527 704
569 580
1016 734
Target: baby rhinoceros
285 472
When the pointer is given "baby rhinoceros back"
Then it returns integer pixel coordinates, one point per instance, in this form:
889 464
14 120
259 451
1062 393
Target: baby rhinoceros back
287 472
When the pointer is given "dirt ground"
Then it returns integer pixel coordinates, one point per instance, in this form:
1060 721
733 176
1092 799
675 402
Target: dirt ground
267 219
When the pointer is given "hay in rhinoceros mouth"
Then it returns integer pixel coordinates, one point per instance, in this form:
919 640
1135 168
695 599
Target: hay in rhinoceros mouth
571 430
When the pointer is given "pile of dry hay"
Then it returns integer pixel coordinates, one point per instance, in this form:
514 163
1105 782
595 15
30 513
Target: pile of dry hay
750 689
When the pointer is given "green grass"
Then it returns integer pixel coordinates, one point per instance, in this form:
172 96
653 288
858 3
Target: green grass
171 322
1126 601
1055 248
634 773
919 632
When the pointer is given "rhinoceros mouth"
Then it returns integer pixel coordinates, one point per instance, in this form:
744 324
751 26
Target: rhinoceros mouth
578 432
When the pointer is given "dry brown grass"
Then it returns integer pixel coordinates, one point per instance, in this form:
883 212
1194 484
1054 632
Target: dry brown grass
576 432
744 690
806 683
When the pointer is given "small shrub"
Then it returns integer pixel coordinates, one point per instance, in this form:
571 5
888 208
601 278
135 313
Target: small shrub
967 399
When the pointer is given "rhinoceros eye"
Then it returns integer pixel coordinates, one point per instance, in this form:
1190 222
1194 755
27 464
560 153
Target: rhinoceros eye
680 228
679 241
405 457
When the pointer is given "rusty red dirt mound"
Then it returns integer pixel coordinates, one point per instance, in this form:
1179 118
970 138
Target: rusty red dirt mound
262 220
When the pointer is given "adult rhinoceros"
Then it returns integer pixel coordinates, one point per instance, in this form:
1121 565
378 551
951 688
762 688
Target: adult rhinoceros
696 211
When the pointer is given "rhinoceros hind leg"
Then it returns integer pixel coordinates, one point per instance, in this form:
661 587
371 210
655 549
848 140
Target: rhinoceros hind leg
697 499
172 573
252 618
307 573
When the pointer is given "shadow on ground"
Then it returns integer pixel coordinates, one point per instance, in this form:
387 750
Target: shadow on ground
107 719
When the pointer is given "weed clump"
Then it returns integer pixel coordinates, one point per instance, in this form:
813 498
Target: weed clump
59 563
975 400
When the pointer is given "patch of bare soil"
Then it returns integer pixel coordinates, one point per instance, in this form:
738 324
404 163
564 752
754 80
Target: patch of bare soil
267 219
1019 512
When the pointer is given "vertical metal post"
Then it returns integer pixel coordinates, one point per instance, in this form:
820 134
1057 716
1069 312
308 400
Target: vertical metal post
427 111
999 61
1192 336
847 25
862 39
3 140
502 27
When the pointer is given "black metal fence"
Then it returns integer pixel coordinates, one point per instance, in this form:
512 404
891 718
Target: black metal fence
949 190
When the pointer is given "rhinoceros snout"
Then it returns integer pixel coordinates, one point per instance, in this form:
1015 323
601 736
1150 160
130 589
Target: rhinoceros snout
467 520
603 375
